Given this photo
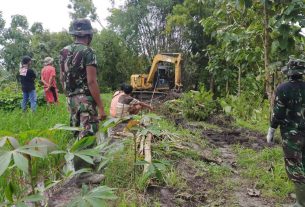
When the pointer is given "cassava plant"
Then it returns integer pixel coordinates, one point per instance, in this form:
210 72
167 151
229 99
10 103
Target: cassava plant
12 155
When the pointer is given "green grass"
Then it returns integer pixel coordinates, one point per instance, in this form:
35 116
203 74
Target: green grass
266 170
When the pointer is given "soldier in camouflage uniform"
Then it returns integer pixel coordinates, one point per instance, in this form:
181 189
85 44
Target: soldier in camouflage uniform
79 81
289 114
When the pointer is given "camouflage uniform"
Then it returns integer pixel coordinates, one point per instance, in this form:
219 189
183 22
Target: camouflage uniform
288 112
73 61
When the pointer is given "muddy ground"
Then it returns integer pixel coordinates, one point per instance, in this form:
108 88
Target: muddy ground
199 190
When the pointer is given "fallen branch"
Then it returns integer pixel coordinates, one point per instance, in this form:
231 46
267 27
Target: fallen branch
141 148
147 151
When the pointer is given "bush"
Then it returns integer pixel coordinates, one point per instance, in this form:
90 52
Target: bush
247 107
199 105
11 97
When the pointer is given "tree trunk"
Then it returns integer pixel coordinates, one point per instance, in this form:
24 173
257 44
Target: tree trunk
268 75
212 83
227 87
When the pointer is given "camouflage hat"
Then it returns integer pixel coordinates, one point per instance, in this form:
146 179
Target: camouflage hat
48 61
81 27
295 67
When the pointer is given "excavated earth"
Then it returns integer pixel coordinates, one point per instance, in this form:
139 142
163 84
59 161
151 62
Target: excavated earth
198 190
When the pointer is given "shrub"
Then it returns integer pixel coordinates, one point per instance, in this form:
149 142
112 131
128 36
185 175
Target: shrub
247 107
11 97
199 105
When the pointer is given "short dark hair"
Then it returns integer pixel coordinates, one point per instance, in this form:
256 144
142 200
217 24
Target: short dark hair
127 89
25 60
122 86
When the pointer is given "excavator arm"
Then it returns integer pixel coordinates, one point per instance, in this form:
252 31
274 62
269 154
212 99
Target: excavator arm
174 58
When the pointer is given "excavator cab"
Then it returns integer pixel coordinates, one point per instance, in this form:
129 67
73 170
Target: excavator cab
163 75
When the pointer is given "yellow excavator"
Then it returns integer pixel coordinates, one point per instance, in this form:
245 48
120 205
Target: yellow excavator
159 79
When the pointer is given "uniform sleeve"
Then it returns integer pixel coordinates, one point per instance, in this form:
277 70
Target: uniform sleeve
279 110
90 58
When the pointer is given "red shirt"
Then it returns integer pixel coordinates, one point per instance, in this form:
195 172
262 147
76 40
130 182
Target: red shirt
48 72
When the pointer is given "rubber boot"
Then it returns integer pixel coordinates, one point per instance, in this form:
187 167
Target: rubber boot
300 194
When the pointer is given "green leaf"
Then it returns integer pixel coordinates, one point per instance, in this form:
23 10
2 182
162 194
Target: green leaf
69 157
58 152
96 202
9 191
84 170
89 152
21 162
33 198
83 143
5 160
44 142
31 152
96 197
103 164
3 141
85 158
14 143
19 204
227 109
65 127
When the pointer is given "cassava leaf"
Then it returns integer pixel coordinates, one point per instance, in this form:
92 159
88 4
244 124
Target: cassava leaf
5 160
21 162
85 158
83 143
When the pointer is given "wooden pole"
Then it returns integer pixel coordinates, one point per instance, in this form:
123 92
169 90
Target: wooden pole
147 151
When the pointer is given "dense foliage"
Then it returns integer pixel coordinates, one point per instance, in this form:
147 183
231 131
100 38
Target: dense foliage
11 97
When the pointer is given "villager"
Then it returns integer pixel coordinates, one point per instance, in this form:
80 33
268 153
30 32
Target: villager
48 78
123 104
27 78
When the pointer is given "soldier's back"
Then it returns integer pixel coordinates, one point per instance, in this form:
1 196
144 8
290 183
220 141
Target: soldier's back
292 95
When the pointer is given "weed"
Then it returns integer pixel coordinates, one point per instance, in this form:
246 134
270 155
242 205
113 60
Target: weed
266 170
216 173
119 171
174 179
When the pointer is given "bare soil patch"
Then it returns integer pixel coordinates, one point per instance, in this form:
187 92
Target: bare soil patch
243 137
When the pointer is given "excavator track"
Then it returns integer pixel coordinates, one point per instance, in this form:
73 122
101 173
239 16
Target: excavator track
157 96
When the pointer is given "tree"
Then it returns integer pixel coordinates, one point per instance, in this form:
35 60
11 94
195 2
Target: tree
280 18
115 60
16 43
37 28
184 25
240 35
84 9
142 25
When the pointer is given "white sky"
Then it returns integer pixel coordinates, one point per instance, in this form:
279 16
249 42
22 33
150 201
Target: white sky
53 14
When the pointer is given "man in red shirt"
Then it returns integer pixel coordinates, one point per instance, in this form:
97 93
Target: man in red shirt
48 75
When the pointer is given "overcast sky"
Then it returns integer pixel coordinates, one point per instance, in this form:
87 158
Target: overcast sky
53 14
